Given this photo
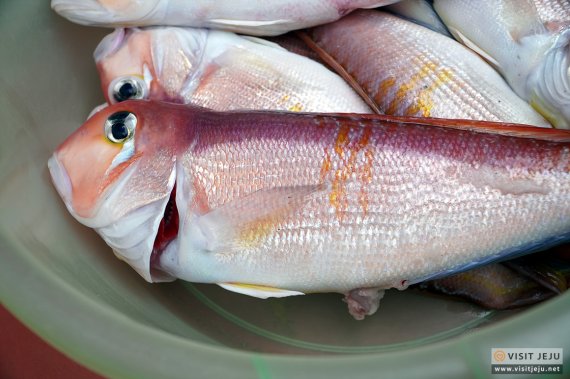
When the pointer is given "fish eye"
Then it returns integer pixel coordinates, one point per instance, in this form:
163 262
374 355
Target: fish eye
128 87
120 126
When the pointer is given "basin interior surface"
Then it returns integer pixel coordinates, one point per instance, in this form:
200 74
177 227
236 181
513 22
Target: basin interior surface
64 282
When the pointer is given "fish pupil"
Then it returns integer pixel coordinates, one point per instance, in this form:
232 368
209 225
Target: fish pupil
119 131
126 91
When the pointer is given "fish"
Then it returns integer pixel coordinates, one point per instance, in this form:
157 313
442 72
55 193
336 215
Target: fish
240 16
527 41
409 70
218 70
494 286
292 43
511 284
276 204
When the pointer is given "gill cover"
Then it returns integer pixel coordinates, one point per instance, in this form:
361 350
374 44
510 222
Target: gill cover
156 63
549 83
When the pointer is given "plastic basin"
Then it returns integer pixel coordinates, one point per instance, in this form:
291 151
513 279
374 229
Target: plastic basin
63 282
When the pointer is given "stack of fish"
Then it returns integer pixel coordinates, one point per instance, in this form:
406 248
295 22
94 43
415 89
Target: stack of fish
208 164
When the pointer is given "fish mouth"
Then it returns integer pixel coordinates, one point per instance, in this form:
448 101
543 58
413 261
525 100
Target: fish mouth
85 12
137 236
167 232
110 13
60 179
110 44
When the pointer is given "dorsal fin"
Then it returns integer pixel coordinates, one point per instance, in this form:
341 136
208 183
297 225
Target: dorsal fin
491 127
501 128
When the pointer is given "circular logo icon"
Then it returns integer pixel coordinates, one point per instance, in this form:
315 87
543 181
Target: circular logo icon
499 355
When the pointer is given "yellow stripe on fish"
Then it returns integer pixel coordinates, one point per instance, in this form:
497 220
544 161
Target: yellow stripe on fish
417 89
353 157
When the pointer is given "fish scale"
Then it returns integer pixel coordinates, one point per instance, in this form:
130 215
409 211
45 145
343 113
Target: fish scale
387 226
553 11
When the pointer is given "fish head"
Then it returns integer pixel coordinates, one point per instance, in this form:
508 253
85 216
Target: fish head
108 12
159 63
116 174
549 83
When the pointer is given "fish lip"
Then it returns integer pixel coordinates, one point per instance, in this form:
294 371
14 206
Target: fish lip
93 13
61 180
110 44
97 109
82 12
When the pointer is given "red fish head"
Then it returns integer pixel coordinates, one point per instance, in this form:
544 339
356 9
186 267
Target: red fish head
149 63
116 174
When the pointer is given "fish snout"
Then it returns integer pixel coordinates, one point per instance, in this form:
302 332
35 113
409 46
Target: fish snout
85 12
60 179
109 44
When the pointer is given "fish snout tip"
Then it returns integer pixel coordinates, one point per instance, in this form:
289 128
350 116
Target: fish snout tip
60 179
85 12
109 44
97 109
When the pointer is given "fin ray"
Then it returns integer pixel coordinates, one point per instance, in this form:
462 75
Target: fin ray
246 220
261 292
337 67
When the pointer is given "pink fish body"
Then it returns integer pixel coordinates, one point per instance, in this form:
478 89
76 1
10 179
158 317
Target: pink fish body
279 204
410 70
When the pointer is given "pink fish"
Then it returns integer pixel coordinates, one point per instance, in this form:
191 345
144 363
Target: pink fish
281 204
218 70
409 70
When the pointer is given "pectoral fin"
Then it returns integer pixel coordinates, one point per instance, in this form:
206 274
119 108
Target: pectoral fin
246 221
221 22
262 292
264 42
473 46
